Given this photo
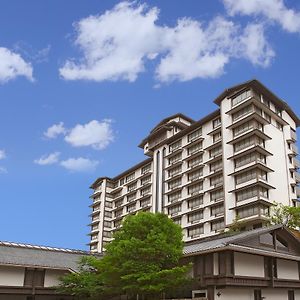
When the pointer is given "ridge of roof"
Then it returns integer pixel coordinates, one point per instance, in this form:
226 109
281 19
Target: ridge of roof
39 247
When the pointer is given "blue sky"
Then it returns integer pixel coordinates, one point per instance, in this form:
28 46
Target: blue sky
83 82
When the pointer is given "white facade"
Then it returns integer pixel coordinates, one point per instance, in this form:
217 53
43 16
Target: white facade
234 163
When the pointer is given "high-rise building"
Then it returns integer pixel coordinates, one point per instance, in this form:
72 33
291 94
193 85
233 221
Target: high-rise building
230 165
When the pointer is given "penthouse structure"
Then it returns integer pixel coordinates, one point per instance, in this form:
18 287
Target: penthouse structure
232 164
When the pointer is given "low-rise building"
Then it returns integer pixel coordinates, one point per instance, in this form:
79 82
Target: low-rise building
30 272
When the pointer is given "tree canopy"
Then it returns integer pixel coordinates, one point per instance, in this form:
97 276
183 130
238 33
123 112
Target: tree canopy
286 215
143 259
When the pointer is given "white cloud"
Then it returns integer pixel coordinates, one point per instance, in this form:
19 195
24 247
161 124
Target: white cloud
255 45
2 154
49 159
3 170
79 164
96 134
189 50
274 10
55 130
13 65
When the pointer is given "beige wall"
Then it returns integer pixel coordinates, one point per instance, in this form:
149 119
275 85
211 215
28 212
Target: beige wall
11 276
52 277
276 294
287 269
248 265
234 293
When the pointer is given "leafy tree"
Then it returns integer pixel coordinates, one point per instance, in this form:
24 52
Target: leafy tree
286 215
143 259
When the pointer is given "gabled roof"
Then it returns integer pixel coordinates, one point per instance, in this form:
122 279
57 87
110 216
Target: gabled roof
233 241
257 85
16 254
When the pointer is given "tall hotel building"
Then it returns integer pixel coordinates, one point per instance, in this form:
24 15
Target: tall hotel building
237 161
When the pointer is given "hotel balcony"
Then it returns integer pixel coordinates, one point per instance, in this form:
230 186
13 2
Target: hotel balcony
298 191
296 163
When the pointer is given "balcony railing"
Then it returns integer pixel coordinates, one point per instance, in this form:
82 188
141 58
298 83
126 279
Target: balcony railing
297 163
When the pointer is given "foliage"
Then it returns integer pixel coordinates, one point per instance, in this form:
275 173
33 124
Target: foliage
236 225
286 215
143 259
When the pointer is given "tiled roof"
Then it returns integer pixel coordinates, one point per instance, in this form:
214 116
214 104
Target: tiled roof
40 256
216 243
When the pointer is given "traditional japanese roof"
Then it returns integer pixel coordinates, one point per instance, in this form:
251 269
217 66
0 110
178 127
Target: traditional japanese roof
17 254
233 242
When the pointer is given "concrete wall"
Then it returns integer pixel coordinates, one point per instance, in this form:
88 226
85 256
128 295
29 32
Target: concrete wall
287 269
11 276
248 265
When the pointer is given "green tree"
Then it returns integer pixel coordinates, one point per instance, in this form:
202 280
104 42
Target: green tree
286 215
143 259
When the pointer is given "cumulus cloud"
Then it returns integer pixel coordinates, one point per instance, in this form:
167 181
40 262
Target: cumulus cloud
49 159
189 50
274 10
2 154
55 130
79 164
95 134
13 65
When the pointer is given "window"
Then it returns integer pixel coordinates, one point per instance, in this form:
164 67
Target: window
119 212
146 191
145 202
108 214
249 158
217 225
117 223
279 126
216 123
195 231
146 169
95 227
217 195
195 217
177 221
95 208
175 146
251 193
108 204
216 166
174 197
94 237
195 148
107 224
257 295
278 111
34 277
131 197
194 135
291 295
247 142
130 177
131 187
281 243
250 175
174 184
247 126
107 234
242 112
216 180
217 210
174 210
118 203
145 180
241 97
217 137
195 188
195 161
195 202
264 100
174 159
248 211
267 117
131 207
122 181
175 171
195 175
215 151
